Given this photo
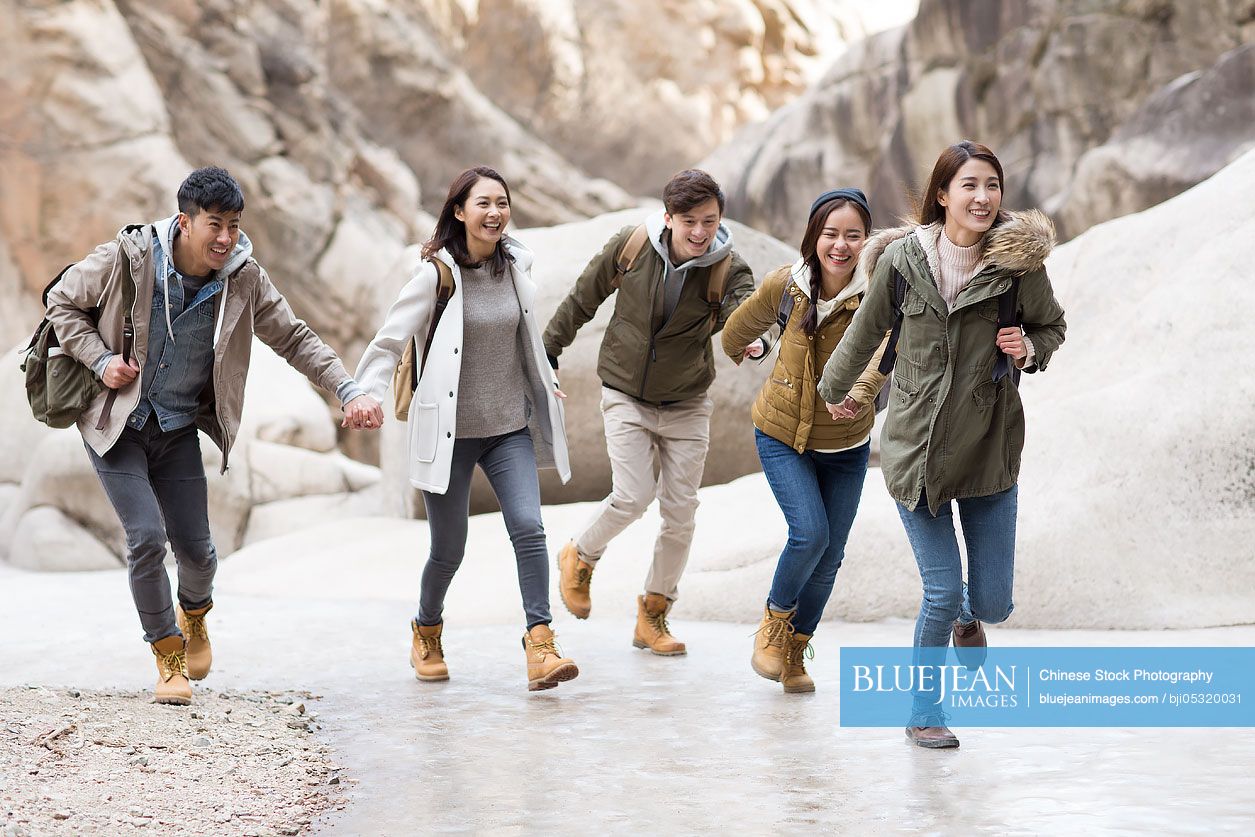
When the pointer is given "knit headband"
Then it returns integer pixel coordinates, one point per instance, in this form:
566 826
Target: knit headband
855 195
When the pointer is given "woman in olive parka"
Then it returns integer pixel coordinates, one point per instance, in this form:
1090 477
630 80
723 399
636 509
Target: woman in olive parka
955 426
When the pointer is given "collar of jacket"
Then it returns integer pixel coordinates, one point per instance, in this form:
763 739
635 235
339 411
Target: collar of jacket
801 275
522 256
1020 243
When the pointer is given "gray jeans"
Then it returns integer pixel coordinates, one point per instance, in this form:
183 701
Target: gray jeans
156 483
509 462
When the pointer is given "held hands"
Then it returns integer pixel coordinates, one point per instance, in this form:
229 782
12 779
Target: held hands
119 373
363 413
847 409
754 349
1010 341
557 390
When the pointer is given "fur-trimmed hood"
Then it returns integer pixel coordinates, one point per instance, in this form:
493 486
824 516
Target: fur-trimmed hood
1021 242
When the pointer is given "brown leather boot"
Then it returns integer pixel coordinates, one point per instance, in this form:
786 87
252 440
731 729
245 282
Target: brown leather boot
652 631
933 738
793 676
574 579
200 656
770 643
426 652
546 667
172 683
970 645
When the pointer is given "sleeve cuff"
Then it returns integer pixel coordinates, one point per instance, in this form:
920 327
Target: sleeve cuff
349 390
1030 359
101 363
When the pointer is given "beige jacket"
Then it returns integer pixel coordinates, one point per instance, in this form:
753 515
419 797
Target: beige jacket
250 305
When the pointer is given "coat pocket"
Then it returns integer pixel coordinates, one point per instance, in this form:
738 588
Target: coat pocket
427 425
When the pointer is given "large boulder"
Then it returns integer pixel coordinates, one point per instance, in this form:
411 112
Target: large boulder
561 255
1041 83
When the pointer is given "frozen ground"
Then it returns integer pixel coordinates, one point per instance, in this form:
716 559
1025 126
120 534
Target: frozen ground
691 744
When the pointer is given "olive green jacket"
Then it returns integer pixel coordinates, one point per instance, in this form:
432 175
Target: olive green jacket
951 431
673 363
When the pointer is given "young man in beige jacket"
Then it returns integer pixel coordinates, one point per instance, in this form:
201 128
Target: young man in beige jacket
175 363
656 364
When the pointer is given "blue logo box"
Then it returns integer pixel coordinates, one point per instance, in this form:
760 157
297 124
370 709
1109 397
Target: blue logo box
1051 687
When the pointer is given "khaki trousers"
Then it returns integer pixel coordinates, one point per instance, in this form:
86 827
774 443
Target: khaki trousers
640 438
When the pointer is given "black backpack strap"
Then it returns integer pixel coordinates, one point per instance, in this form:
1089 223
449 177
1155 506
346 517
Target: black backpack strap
785 309
890 357
1008 317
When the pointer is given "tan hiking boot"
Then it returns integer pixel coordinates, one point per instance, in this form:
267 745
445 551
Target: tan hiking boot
771 642
426 652
793 676
546 667
200 655
575 575
652 631
172 683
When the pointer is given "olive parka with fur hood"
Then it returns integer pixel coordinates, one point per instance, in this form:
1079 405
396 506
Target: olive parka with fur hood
951 430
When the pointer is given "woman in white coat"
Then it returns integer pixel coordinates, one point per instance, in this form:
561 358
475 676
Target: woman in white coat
486 397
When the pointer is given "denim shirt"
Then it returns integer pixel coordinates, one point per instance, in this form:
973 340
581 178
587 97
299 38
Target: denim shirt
176 371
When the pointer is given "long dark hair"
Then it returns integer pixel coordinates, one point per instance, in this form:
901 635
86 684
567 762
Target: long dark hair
946 167
810 239
450 233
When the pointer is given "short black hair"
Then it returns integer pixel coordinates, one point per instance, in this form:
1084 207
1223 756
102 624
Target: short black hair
210 188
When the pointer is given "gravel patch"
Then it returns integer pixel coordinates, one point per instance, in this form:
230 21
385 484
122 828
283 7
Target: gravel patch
112 762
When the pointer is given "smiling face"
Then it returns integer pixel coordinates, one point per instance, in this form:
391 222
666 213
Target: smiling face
693 231
485 213
206 240
971 201
839 244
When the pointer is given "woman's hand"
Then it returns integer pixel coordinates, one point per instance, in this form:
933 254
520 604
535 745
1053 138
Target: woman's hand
557 390
363 413
1010 341
847 409
754 349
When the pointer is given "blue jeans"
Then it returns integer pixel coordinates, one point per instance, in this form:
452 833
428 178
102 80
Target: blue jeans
509 462
819 494
989 533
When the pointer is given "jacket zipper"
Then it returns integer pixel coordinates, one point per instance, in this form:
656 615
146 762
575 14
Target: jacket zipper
653 352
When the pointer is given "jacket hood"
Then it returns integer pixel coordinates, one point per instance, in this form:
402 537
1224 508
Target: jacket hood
720 247
801 275
1021 243
242 253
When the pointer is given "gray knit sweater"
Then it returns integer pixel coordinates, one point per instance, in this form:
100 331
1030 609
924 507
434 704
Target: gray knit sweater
492 391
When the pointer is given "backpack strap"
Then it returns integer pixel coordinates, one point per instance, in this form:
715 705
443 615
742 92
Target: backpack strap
715 282
128 334
1008 317
785 309
444 292
890 357
628 253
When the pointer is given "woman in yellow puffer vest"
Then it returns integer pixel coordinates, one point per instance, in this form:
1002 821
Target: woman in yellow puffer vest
814 463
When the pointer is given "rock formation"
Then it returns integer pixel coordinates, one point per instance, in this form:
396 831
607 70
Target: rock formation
1096 109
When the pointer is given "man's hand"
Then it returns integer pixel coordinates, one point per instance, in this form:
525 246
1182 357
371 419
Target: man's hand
1011 342
847 409
119 373
363 413
557 390
754 349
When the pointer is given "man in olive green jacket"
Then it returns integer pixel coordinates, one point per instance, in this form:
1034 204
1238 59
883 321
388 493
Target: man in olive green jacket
656 363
